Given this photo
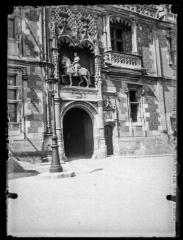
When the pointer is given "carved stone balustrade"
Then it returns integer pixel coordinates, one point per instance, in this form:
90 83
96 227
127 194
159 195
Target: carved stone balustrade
146 10
170 17
123 60
151 11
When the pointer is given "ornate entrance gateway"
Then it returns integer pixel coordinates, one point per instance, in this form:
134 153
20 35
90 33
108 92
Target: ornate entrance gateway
78 133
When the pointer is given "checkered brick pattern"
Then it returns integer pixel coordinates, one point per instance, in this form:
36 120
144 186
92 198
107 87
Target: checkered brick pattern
33 81
147 58
144 36
145 41
153 119
35 127
170 98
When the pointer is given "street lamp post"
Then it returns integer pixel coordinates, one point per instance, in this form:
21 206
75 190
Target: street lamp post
55 162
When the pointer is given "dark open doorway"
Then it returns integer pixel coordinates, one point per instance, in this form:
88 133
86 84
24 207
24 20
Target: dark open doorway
78 134
108 131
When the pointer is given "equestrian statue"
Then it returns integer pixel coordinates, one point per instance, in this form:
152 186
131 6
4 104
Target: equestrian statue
75 69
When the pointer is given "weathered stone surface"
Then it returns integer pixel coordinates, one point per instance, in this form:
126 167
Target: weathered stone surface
91 38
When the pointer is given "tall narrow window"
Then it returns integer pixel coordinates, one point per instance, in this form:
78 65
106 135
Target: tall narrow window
12 98
135 104
11 28
121 39
169 44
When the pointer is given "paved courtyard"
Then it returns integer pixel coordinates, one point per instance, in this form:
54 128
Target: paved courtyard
116 196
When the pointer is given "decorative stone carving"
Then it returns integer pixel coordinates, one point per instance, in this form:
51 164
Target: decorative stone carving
75 69
100 103
146 10
74 23
108 104
122 60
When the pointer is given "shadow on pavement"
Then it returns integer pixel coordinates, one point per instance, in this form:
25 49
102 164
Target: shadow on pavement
26 173
15 170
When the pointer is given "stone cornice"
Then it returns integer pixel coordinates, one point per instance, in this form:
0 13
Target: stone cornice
124 13
122 71
20 61
77 89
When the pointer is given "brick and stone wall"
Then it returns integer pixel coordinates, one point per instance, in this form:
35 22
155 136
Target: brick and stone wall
170 94
30 139
145 47
168 66
145 138
32 128
31 32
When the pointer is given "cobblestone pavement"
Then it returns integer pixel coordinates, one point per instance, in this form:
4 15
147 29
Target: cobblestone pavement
116 196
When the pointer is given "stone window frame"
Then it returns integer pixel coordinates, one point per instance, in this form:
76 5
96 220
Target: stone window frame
136 87
12 19
170 47
115 27
18 124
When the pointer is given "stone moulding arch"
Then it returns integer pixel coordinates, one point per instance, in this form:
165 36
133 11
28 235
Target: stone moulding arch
67 38
88 43
88 107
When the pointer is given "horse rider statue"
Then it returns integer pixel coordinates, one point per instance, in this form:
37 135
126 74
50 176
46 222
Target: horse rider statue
75 69
76 63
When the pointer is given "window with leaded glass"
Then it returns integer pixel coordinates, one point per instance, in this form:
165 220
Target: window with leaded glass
121 37
12 112
11 28
169 45
12 98
135 104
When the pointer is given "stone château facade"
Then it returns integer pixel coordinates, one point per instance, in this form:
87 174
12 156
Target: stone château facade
129 52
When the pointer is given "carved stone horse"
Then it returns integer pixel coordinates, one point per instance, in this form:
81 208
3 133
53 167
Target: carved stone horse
69 70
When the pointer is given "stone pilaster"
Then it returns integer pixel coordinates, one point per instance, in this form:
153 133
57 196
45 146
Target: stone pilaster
102 151
159 70
157 52
160 92
116 131
108 37
134 36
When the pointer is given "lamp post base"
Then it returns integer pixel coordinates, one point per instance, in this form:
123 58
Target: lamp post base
55 162
55 169
57 175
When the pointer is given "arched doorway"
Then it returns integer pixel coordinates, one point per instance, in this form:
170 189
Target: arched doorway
78 133
108 132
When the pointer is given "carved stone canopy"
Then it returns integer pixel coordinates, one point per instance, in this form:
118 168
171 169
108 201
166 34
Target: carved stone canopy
120 20
76 26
